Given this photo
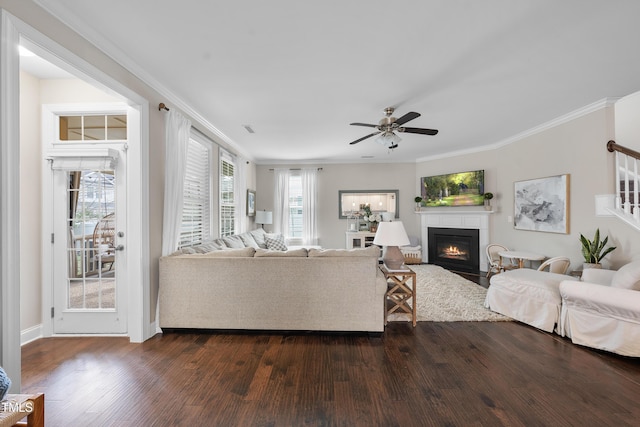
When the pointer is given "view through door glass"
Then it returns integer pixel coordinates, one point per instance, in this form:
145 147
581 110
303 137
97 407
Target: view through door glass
91 280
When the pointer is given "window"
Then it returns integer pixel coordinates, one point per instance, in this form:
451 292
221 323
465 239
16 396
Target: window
93 128
196 205
227 195
295 206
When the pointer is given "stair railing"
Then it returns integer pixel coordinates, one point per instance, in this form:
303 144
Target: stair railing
627 189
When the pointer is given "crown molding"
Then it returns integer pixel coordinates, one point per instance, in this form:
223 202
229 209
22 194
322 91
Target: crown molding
71 20
587 109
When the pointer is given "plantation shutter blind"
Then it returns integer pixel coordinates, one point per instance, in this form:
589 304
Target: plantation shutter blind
195 209
227 194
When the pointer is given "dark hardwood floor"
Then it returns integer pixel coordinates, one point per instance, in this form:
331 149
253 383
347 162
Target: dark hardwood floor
437 374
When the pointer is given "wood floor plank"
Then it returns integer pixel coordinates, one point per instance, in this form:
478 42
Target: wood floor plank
453 374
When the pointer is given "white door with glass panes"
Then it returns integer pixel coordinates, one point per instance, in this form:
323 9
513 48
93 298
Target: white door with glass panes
88 239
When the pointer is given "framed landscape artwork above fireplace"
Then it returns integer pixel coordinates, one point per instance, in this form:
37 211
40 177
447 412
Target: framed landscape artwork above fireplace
542 204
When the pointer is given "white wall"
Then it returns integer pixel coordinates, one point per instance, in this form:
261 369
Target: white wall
30 203
357 176
627 121
577 148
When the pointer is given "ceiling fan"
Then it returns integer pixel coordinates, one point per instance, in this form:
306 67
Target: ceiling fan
388 125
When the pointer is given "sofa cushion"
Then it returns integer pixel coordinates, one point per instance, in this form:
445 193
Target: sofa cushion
231 253
628 277
248 240
371 251
233 242
185 250
207 247
301 252
258 235
275 242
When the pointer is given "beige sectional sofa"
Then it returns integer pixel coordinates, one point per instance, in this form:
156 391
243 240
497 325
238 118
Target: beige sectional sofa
263 289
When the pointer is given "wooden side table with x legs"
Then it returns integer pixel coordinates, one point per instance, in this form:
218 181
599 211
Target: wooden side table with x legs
401 292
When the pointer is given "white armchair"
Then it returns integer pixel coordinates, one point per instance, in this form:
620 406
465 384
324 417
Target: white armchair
603 310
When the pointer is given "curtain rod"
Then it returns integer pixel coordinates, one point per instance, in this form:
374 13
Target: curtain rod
161 107
296 169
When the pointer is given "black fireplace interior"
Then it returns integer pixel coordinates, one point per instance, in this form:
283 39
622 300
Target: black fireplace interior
455 248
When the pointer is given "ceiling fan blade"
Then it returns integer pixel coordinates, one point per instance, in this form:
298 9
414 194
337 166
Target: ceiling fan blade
409 116
419 130
363 138
363 124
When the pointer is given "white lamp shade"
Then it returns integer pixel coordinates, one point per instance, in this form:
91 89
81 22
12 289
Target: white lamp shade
391 234
264 217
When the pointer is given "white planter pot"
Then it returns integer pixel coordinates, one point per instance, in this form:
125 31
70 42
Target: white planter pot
590 265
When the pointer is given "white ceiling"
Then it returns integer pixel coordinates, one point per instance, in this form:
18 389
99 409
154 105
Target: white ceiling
298 72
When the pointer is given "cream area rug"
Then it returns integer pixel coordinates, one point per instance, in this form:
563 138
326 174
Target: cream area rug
443 296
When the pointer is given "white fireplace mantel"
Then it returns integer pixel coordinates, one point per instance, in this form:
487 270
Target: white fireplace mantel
473 219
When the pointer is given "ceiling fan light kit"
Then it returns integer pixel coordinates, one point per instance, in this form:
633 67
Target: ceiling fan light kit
388 125
388 139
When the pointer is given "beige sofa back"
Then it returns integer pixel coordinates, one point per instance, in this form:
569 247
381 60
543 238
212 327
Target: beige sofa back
327 293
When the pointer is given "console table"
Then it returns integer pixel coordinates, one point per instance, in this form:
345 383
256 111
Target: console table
359 239
401 292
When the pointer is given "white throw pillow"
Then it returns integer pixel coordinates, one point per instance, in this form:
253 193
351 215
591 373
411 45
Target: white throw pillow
275 243
628 277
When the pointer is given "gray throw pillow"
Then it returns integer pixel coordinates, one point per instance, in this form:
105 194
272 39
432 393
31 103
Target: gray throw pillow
234 242
248 240
258 235
275 243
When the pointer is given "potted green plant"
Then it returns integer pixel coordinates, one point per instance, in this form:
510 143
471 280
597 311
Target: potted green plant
594 250
418 201
487 200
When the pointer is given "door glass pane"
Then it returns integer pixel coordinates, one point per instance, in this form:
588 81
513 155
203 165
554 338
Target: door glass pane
117 127
91 244
71 128
93 128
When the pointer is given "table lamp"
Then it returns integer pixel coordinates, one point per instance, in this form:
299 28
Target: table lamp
392 235
264 217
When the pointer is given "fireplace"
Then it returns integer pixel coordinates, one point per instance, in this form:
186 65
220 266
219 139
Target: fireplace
455 248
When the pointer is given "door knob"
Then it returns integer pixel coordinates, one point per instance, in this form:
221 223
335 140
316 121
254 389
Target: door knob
120 248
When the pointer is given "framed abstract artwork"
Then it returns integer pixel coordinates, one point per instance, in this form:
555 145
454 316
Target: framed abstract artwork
251 203
542 204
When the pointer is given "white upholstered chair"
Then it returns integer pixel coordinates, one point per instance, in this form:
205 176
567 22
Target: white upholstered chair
559 264
495 261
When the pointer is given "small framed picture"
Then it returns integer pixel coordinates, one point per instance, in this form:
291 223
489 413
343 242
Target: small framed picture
251 203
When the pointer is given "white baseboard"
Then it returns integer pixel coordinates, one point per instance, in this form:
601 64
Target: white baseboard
35 333
30 334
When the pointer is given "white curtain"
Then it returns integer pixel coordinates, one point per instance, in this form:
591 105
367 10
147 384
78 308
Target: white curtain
177 133
241 190
310 204
281 202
